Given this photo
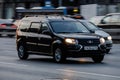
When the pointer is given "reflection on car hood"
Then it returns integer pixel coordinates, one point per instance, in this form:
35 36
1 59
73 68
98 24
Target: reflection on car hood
101 33
79 35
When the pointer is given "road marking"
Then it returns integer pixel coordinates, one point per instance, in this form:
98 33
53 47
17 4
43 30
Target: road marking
7 57
88 73
12 64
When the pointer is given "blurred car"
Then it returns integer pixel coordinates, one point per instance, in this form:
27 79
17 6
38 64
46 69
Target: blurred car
7 27
94 29
17 22
111 23
112 19
96 19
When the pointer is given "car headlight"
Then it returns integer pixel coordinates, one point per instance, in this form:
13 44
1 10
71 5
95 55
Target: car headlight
109 38
71 41
102 40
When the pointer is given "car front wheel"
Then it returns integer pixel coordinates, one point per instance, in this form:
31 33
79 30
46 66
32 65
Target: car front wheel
107 51
59 56
22 54
98 59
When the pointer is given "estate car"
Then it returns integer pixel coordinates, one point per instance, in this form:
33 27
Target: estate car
57 36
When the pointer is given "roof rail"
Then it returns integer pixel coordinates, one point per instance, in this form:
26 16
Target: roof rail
48 16
35 15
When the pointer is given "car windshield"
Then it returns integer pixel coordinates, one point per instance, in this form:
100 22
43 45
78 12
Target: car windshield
68 27
90 26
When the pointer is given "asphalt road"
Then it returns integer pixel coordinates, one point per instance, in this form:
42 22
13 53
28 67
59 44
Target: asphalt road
44 68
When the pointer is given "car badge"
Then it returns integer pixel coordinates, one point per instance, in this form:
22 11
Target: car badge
89 41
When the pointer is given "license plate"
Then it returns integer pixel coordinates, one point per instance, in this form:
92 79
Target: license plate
90 48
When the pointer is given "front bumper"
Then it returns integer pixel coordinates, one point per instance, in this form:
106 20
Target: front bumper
108 44
80 51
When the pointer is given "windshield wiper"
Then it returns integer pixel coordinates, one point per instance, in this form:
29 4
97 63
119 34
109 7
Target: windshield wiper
70 32
63 32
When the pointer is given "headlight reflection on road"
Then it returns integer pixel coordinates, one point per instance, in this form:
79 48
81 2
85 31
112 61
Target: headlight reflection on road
67 75
82 60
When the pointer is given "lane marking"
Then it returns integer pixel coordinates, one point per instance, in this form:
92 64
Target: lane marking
12 64
8 57
88 73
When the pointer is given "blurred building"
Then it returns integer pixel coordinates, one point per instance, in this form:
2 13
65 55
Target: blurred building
88 8
98 7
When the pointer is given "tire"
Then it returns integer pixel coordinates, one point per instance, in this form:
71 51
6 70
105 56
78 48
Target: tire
22 54
107 51
59 56
98 59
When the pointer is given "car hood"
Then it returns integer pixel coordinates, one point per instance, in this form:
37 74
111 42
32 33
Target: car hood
101 33
79 35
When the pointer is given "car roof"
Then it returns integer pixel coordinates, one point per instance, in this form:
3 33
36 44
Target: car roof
113 14
48 18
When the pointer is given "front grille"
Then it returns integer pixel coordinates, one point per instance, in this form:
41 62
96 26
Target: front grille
89 42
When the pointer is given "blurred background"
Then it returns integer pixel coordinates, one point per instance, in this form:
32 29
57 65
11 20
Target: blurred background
87 8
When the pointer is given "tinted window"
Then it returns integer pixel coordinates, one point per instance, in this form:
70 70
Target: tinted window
35 27
24 25
68 27
44 27
90 26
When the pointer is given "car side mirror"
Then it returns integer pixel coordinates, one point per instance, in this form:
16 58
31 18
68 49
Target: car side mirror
47 32
92 31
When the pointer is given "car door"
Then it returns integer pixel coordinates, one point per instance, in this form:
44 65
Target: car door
33 36
44 40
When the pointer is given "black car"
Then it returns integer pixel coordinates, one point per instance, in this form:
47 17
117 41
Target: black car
60 37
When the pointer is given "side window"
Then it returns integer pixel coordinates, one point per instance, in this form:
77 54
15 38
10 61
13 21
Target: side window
115 18
35 27
111 18
44 27
106 19
24 25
